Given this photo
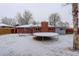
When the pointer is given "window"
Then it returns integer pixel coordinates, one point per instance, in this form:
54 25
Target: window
61 28
37 28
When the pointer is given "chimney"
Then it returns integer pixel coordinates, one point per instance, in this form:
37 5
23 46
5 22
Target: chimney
44 26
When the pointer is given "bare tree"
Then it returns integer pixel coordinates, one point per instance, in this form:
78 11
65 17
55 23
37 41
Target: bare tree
75 25
4 20
59 24
34 22
24 18
13 22
20 19
66 24
9 21
54 18
27 16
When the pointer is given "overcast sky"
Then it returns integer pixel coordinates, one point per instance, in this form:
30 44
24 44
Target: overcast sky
39 11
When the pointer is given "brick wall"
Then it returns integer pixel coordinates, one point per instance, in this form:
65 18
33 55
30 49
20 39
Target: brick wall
44 26
23 30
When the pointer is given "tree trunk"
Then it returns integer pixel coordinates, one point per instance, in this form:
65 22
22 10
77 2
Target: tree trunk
75 25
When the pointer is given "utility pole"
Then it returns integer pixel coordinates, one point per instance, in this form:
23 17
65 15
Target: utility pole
75 26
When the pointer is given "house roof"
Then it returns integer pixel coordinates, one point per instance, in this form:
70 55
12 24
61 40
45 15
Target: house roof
30 25
39 25
1 24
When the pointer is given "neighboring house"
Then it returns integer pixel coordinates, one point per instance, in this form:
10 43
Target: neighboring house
60 27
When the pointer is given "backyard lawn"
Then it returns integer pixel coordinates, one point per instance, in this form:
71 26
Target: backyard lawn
25 45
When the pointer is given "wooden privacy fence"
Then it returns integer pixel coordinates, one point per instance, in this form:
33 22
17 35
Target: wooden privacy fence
6 30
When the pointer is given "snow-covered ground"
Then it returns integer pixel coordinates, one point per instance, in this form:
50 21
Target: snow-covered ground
25 45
